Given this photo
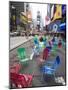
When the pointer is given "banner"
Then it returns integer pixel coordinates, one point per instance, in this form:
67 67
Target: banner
58 12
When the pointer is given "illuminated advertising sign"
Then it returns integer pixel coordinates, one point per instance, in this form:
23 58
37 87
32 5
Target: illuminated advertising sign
57 12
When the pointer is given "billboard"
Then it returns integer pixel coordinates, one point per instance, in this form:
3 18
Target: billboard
57 12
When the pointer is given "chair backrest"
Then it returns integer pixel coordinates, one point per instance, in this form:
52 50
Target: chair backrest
60 44
15 67
63 42
21 53
58 60
45 53
53 40
54 47
56 63
36 41
44 39
41 44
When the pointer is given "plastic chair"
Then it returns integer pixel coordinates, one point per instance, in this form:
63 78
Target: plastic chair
15 68
53 40
51 67
53 53
45 53
20 80
59 44
54 50
38 46
43 56
63 43
41 45
49 48
36 50
22 55
44 40
36 41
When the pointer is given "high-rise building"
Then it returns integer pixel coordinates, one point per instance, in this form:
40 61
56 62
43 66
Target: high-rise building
38 20
15 9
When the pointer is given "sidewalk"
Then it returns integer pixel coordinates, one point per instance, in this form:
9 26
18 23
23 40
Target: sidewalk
16 41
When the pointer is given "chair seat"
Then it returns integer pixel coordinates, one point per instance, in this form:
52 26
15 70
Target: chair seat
31 56
48 70
21 80
28 79
24 60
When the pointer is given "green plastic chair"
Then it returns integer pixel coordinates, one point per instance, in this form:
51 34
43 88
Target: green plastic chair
53 53
63 44
44 40
55 47
54 50
22 55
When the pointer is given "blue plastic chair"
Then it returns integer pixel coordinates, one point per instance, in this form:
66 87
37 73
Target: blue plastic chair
37 47
53 40
51 67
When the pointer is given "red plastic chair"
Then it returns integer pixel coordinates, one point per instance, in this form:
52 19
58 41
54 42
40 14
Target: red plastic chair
45 53
15 68
20 80
59 45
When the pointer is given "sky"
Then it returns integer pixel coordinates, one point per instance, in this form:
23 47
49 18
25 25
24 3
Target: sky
39 7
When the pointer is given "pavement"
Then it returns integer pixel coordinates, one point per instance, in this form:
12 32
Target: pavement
16 41
33 67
